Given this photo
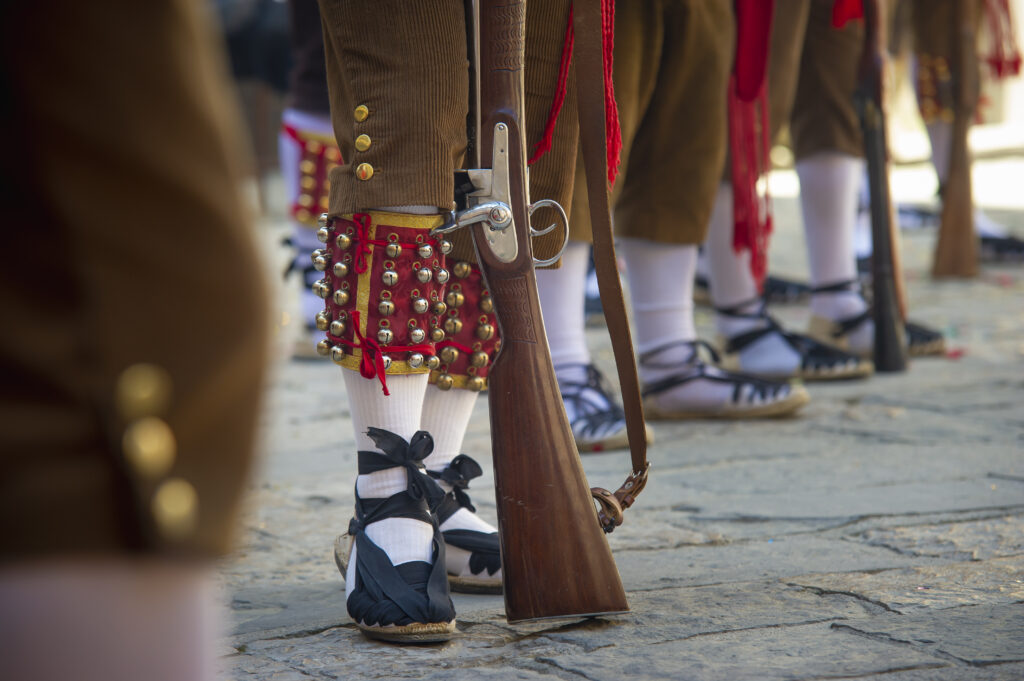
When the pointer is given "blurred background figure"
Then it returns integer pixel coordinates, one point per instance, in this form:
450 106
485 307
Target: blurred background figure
132 378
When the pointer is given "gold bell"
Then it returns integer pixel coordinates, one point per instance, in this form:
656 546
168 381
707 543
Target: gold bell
449 355
445 382
485 332
386 308
321 288
433 362
322 321
321 221
425 251
385 336
439 308
487 304
444 246
390 277
318 253
476 384
417 335
462 269
420 305
415 360
341 297
322 235
455 299
441 276
436 335
175 508
337 328
143 390
150 447
479 359
323 348
453 325
387 362
344 242
340 269
337 353
393 250
319 263
423 275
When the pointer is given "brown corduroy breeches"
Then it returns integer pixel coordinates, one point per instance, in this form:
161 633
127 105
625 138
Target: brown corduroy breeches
812 77
406 63
672 63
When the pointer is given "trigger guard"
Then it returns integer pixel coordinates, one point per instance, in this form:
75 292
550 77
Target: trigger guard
551 203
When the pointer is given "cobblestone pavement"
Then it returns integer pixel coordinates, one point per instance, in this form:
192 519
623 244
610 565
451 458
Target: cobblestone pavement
879 535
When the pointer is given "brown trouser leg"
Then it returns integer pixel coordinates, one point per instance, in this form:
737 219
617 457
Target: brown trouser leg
812 78
672 62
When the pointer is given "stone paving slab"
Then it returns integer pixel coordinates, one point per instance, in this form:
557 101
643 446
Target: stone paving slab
879 535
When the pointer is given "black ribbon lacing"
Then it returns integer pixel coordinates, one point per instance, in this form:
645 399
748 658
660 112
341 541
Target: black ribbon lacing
414 592
484 547
813 354
696 368
596 418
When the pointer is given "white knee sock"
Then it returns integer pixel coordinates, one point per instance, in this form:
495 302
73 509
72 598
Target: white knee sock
940 134
829 186
728 271
446 415
660 291
562 294
403 539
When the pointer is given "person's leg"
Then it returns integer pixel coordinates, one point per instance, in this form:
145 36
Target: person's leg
103 619
399 96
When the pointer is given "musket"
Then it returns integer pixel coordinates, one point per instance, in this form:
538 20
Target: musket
555 558
956 251
888 301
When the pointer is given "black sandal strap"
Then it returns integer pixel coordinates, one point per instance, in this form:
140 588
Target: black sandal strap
396 452
848 285
484 547
698 369
457 473
595 419
813 354
414 592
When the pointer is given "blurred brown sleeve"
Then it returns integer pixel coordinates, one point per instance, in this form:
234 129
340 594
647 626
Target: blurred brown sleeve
126 241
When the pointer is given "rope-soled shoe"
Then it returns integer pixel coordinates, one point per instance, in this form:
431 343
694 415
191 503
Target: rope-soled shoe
819 361
409 602
597 422
749 398
480 571
922 341
473 557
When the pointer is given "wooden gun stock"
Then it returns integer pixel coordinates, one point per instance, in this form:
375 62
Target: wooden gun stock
886 273
555 558
956 251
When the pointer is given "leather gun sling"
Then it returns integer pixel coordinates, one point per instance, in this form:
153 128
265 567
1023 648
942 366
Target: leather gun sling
587 25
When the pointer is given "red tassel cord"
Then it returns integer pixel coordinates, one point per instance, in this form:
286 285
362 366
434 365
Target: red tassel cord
613 133
845 11
372 362
544 145
1004 60
749 133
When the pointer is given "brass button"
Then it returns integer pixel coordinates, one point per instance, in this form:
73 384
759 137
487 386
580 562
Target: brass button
363 142
143 390
361 113
175 508
364 171
149 447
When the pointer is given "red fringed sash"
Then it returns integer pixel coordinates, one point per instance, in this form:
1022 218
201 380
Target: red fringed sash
749 132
